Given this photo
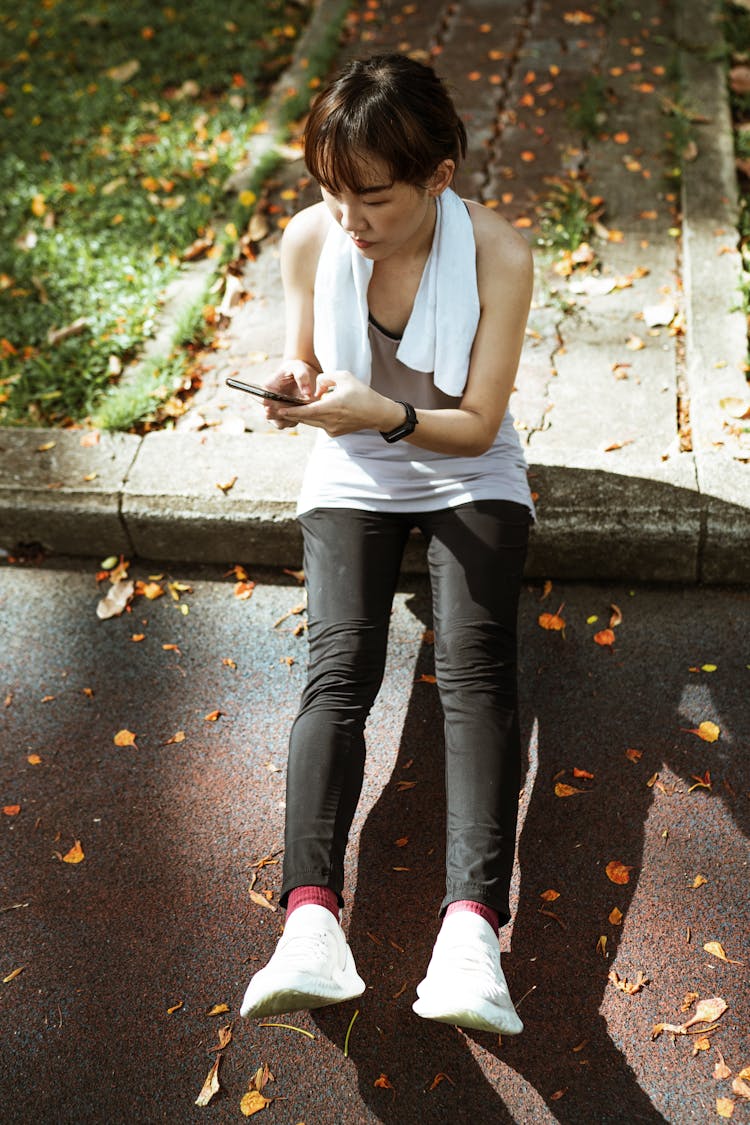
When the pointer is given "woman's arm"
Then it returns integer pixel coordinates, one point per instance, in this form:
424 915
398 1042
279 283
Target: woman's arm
300 249
505 279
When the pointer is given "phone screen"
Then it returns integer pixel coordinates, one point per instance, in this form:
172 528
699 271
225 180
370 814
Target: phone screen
263 392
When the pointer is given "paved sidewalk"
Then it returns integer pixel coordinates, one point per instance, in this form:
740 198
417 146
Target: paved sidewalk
619 393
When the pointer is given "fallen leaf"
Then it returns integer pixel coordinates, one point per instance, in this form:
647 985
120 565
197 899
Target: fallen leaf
124 738
721 1070
383 1083
227 486
659 315
218 1010
552 621
261 900
124 72
175 1007
254 1100
426 678
630 988
707 1011
707 730
618 872
616 916
739 1086
11 810
613 445
601 945
616 616
582 773
634 755
701 1044
210 1086
717 950
212 716
179 736
15 973
441 1077
550 895
75 855
699 881
563 790
604 637
115 601
34 760
244 590
724 1107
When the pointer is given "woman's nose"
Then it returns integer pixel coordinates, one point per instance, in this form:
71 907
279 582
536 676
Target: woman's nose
351 219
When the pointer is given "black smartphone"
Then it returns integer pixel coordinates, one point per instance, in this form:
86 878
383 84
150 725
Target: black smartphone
263 392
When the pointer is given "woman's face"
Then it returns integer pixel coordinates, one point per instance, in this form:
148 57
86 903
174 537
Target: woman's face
384 217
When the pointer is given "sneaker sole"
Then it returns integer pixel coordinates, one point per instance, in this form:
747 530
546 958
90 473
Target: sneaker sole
304 995
482 1016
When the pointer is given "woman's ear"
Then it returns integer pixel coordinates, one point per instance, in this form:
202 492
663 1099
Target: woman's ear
442 177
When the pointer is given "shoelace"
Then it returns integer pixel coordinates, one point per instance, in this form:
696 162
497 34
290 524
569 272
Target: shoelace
473 957
301 949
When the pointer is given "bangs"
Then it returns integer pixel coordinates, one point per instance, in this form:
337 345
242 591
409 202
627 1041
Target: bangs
341 157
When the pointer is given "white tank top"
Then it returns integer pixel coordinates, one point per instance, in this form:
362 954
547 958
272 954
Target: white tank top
360 470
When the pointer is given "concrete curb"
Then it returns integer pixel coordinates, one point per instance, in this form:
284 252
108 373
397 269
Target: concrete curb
634 516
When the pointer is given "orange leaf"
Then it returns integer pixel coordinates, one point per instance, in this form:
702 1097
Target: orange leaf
75 855
124 738
604 637
178 737
582 773
550 895
552 620
218 1010
618 872
426 678
563 790
212 716
12 810
253 1102
634 755
615 917
383 1082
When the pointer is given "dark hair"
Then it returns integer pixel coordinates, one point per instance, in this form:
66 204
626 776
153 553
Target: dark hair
388 106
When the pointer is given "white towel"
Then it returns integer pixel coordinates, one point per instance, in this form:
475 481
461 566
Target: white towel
443 322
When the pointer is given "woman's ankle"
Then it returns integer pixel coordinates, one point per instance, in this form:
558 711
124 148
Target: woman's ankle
485 912
317 896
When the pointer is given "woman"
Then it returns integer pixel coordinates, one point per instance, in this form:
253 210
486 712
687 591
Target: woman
406 310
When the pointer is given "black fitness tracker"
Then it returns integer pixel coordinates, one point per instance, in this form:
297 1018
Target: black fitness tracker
408 426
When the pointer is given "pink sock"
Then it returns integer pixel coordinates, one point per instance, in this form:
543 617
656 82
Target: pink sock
485 912
318 896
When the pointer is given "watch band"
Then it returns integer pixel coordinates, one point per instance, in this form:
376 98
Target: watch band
408 426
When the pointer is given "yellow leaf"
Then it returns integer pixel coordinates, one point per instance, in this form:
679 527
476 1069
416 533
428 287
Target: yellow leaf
210 1086
698 881
708 731
34 760
724 1107
75 855
12 976
717 950
212 716
253 1102
175 1007
563 790
218 1010
616 917
178 737
124 738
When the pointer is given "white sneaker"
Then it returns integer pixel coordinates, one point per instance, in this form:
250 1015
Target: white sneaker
464 983
311 967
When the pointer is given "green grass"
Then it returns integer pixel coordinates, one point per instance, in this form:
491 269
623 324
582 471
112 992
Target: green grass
566 216
108 174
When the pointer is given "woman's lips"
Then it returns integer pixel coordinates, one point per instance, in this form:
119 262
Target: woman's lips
361 244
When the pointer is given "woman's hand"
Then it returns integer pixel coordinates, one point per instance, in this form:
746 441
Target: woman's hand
292 377
343 404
